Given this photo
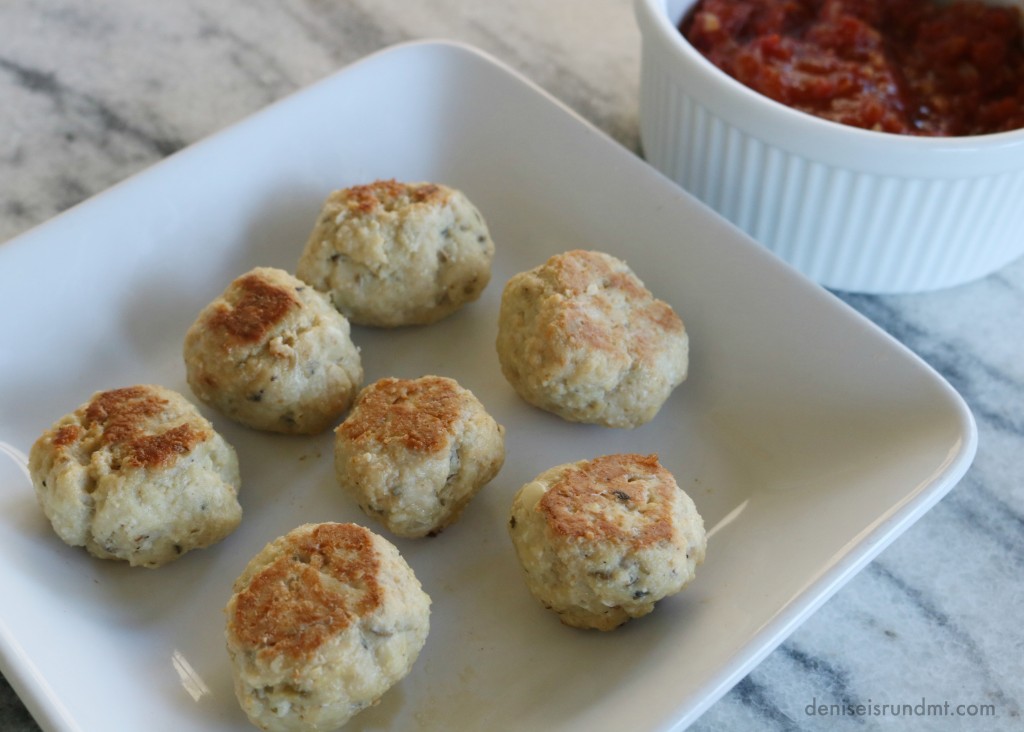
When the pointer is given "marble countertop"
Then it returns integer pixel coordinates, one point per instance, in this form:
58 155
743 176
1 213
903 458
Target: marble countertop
92 92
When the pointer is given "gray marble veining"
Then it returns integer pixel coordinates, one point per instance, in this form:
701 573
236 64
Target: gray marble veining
91 92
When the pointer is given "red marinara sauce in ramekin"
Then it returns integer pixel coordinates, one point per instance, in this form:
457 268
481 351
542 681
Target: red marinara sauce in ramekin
911 67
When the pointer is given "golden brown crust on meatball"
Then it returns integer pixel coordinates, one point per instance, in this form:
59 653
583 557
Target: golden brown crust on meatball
130 424
418 413
587 501
251 308
292 606
388 195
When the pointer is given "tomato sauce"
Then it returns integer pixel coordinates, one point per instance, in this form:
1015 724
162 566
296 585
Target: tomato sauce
905 66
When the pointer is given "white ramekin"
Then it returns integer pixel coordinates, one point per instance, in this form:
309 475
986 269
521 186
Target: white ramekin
852 209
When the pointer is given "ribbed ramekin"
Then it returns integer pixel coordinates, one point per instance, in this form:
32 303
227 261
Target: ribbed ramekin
852 209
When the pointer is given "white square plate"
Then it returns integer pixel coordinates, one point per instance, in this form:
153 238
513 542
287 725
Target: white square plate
807 437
